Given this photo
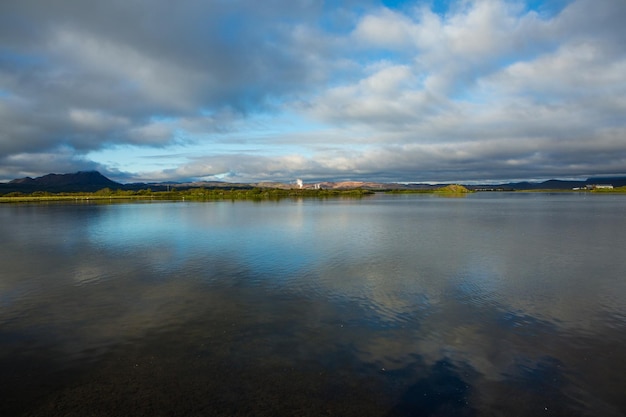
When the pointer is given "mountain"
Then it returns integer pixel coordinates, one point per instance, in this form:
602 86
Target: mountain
90 181
558 184
526 185
614 181
87 181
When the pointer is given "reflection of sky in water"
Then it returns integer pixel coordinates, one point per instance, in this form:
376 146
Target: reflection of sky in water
175 233
498 295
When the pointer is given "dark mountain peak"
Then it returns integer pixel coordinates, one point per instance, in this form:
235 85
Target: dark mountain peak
75 182
25 180
77 178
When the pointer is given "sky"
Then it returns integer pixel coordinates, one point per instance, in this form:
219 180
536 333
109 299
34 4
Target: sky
362 90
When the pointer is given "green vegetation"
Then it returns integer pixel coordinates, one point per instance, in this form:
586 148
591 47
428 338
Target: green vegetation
192 194
609 190
615 190
256 194
452 189
414 191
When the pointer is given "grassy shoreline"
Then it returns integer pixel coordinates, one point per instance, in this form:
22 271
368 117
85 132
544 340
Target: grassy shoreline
257 194
184 195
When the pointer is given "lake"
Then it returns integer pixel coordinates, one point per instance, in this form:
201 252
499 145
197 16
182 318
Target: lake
495 304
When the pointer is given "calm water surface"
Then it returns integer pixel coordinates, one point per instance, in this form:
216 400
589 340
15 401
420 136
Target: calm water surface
491 305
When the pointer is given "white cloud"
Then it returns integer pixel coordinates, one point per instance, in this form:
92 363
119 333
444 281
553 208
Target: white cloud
575 69
385 29
404 94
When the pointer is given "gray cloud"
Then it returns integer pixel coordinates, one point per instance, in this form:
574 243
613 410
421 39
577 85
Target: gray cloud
488 90
87 76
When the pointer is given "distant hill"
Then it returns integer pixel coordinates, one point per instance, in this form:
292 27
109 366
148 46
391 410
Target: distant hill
614 181
87 181
90 181
559 184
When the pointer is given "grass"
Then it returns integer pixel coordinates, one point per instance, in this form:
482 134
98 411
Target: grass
452 189
196 194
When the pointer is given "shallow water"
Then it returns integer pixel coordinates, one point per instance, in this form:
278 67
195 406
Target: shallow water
501 304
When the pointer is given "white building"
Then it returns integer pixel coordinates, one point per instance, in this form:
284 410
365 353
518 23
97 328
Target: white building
599 187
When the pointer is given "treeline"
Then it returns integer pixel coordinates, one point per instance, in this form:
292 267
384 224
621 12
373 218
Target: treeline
199 194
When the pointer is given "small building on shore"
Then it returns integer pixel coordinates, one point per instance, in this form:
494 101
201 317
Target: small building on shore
599 186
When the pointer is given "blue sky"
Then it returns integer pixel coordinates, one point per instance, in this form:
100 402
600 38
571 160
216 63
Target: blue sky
407 91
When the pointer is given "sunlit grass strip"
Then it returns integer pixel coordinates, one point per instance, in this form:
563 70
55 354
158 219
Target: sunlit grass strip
616 190
448 189
64 197
199 194
610 190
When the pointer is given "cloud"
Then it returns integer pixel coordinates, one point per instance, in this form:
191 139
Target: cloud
490 79
83 65
62 159
343 90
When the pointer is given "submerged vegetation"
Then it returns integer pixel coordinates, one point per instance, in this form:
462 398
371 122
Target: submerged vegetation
192 194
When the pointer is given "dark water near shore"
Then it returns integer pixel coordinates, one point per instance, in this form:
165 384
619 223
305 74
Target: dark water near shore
490 305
